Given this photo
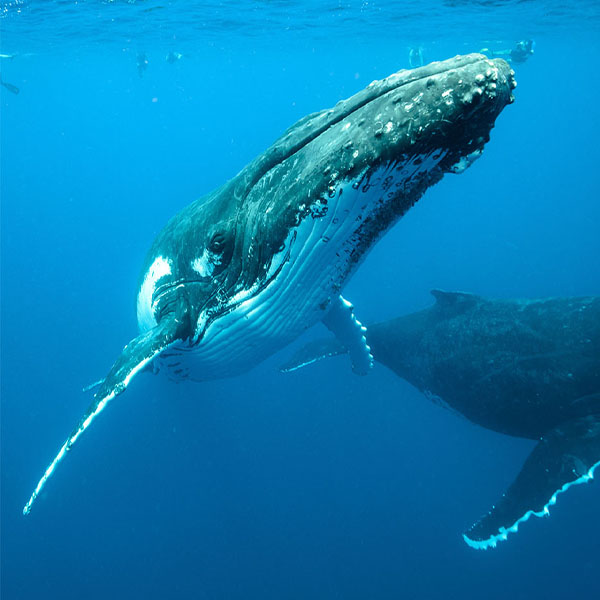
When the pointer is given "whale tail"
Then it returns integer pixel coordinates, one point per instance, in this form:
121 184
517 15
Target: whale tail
565 456
134 357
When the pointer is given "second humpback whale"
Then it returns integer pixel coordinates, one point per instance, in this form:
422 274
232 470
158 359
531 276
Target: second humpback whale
239 274
527 368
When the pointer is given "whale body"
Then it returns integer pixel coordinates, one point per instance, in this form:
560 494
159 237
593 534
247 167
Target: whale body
237 275
526 368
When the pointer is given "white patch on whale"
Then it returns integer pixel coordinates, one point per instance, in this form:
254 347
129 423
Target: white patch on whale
145 309
205 264
465 162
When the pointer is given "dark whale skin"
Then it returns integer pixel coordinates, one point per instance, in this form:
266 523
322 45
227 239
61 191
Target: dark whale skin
526 368
519 367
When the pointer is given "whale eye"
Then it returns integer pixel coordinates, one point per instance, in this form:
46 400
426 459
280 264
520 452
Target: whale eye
217 243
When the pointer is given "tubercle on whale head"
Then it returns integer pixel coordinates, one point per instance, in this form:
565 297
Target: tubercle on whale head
360 134
451 106
464 102
436 119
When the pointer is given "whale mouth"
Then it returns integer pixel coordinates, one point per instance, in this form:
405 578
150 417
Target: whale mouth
164 298
211 308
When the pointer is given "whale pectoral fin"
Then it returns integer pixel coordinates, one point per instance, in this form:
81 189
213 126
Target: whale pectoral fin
135 356
565 456
92 386
340 320
313 352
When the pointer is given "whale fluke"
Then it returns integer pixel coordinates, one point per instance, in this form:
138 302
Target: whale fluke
565 456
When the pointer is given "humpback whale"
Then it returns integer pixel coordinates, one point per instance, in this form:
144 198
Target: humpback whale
526 368
240 273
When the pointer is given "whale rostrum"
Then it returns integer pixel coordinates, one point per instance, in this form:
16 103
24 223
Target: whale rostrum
240 273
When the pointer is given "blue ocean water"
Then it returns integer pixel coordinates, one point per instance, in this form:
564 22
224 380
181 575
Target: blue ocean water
316 484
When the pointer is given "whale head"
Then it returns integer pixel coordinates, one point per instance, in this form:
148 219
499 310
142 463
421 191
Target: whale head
340 176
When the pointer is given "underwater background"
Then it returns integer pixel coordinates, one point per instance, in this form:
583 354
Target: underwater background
315 484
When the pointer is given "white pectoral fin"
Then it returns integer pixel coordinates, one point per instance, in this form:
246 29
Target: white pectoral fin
135 356
342 322
92 386
565 456
313 352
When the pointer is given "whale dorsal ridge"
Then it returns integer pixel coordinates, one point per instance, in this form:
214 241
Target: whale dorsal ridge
454 300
